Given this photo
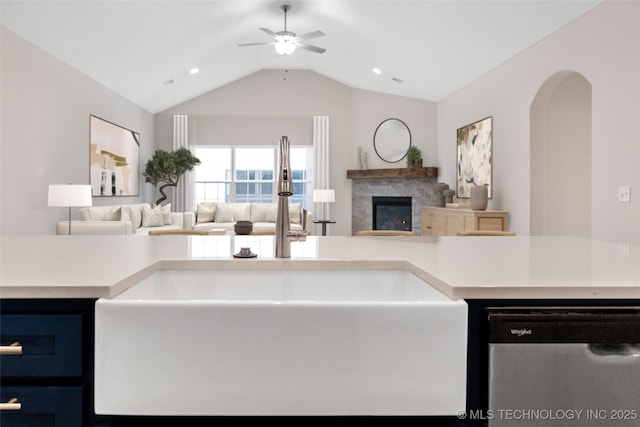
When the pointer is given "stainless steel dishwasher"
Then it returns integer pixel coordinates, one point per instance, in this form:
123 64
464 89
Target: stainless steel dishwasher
564 367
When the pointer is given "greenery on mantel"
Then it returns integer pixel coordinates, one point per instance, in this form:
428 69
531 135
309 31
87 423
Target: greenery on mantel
414 157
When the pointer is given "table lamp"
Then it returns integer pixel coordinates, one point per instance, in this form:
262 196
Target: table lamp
69 195
324 196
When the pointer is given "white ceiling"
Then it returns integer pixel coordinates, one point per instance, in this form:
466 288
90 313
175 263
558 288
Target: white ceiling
434 47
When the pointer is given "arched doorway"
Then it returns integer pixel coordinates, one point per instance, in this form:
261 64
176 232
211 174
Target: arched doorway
560 157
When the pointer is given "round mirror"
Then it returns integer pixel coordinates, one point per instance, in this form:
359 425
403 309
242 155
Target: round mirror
391 140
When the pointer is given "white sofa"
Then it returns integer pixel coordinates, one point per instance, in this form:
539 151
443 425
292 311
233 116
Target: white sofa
223 216
137 219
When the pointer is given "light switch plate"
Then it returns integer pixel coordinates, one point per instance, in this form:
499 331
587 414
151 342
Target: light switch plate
624 194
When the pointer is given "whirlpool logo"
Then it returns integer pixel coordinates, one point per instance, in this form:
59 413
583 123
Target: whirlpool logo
521 332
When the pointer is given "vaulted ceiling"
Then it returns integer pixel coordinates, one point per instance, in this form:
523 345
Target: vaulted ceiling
144 50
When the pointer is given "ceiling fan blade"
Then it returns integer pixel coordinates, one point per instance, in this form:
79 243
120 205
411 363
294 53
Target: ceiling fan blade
311 35
268 31
255 44
311 48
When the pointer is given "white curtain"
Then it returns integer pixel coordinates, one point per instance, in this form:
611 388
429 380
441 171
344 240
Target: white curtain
181 139
321 162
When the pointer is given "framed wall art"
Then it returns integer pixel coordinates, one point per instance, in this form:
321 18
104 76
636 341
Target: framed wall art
114 159
474 157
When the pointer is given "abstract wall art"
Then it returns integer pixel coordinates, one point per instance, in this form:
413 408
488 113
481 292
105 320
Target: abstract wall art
474 157
114 159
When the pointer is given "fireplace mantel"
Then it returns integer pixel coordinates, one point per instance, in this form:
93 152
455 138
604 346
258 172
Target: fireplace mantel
420 189
428 172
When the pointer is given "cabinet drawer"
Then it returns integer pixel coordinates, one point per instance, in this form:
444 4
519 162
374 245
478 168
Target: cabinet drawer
51 345
491 224
43 406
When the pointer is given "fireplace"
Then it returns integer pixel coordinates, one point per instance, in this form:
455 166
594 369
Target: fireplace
391 213
421 191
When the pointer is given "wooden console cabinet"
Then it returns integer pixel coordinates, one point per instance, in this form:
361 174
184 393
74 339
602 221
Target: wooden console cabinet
448 221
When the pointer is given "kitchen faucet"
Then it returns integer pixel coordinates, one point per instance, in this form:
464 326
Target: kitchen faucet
284 234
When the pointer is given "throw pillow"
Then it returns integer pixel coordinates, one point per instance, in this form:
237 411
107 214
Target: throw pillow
205 212
85 214
152 217
294 213
272 213
114 214
166 213
124 214
133 214
224 213
259 212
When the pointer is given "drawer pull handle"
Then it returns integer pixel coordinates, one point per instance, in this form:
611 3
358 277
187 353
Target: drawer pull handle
11 405
15 348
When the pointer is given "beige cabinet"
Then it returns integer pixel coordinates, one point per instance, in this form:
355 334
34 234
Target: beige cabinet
448 221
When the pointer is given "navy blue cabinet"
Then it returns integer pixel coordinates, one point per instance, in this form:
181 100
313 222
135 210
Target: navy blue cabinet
43 406
51 345
46 365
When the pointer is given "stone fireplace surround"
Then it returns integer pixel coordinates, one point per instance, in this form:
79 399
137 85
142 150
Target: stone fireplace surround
421 191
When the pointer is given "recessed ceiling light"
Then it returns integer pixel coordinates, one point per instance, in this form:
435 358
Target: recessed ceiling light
194 70
377 71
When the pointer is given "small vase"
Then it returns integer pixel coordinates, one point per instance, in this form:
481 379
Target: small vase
479 197
438 189
448 196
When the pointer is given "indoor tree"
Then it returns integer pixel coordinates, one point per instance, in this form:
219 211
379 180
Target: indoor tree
166 168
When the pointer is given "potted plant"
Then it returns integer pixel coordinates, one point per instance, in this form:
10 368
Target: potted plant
414 157
167 167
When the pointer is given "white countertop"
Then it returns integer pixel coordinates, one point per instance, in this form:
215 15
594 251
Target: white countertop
460 267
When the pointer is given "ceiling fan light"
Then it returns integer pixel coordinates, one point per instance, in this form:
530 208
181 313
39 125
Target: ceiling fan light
285 46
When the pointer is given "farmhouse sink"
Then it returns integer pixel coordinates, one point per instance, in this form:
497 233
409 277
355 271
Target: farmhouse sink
207 342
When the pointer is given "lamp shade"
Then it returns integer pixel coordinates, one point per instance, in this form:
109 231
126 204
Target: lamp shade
69 195
324 196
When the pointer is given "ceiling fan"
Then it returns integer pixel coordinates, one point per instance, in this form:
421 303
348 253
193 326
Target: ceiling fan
286 42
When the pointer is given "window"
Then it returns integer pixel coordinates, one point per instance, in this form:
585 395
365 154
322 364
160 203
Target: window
249 175
254 172
213 175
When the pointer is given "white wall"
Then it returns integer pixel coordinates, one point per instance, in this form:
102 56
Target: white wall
45 134
603 47
254 103
560 150
371 108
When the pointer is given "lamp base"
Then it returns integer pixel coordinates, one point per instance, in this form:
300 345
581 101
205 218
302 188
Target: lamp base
324 223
